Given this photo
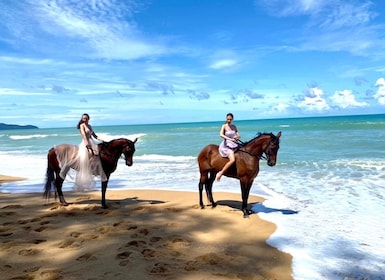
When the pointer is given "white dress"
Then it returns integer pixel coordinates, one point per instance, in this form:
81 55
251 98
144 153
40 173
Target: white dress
85 161
226 147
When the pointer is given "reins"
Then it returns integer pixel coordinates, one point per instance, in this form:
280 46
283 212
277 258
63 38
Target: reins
107 153
243 144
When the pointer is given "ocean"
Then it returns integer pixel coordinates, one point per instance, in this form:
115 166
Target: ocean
326 194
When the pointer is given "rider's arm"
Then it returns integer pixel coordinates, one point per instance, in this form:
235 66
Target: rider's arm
223 135
97 137
237 135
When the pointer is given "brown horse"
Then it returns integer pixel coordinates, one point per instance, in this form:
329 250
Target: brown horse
109 153
245 168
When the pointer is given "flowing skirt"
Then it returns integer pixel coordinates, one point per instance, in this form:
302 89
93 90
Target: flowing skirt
84 180
86 163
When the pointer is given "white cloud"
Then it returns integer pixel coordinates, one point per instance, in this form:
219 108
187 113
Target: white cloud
293 8
223 63
281 108
345 99
313 101
380 94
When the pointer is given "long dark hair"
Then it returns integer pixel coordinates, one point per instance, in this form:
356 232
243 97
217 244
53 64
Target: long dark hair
229 115
81 119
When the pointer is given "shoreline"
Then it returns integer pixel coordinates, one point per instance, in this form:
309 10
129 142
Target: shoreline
6 178
143 233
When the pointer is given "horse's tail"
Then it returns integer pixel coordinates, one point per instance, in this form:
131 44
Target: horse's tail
49 182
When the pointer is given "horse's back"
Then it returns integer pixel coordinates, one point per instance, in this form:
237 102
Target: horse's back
65 152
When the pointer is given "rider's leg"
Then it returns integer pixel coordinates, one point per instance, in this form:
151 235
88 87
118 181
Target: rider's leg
227 165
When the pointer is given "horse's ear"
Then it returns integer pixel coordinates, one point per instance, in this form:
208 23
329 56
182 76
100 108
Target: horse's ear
279 134
136 139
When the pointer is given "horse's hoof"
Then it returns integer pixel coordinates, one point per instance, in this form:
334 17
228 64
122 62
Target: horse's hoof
203 207
246 213
104 206
213 205
64 203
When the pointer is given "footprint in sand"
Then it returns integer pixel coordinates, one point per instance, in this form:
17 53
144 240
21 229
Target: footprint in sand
131 227
150 254
38 241
136 243
28 252
8 213
86 257
32 269
12 206
75 234
155 239
54 274
124 262
207 259
40 229
69 243
104 230
123 255
22 222
160 268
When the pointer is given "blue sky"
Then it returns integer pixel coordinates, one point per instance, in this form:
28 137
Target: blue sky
166 61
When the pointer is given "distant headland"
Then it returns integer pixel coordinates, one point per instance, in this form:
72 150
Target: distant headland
4 126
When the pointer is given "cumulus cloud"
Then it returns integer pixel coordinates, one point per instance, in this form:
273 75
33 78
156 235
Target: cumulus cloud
380 94
281 107
345 99
313 101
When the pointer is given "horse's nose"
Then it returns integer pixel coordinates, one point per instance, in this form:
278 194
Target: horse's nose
271 163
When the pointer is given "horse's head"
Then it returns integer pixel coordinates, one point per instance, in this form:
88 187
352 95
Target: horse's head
129 150
272 148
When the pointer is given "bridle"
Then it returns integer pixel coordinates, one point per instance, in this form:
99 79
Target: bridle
263 156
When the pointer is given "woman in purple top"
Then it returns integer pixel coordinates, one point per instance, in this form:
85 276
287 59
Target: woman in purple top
229 133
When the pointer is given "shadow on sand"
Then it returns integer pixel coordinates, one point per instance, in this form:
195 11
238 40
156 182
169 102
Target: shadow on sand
255 207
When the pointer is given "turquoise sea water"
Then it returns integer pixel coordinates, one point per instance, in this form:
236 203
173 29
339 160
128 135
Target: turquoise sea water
330 172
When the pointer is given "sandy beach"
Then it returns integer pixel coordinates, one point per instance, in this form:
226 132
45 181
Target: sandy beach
6 178
144 234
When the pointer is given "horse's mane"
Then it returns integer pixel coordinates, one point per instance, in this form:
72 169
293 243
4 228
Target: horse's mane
259 134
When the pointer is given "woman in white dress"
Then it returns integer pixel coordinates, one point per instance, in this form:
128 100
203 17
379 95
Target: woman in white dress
230 134
88 157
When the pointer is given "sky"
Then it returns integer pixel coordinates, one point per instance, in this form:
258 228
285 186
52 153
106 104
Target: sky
171 61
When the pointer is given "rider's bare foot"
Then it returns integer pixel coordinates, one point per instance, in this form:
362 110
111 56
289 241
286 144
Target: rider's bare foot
219 175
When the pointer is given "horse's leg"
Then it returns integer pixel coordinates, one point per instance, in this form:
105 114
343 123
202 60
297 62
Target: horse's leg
54 172
209 188
104 189
59 185
245 188
202 181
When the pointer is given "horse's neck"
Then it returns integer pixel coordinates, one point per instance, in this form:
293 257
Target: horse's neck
257 145
111 150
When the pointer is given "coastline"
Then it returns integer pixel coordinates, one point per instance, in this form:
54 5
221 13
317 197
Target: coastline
6 178
143 233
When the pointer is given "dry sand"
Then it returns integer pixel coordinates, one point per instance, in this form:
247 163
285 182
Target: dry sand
144 234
